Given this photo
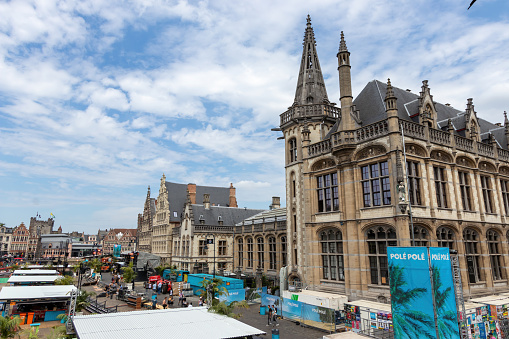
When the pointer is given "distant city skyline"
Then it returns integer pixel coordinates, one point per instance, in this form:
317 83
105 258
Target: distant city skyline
99 99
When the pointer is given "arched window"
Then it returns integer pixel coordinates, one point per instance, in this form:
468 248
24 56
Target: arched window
292 149
272 253
240 246
284 251
261 253
445 237
473 254
249 252
421 236
331 241
378 238
493 239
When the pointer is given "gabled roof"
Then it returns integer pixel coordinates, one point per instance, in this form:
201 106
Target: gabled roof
278 214
153 207
229 215
371 106
177 197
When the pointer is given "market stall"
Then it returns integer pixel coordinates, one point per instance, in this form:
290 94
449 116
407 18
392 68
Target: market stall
368 316
35 303
32 280
35 272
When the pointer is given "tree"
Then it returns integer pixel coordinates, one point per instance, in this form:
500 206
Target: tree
407 322
95 264
82 300
9 327
129 273
15 267
217 289
25 267
64 280
228 309
447 322
160 269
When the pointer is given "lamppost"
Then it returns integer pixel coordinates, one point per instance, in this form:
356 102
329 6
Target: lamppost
210 242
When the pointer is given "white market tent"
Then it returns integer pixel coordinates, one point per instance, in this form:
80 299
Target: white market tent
35 272
36 292
33 279
194 322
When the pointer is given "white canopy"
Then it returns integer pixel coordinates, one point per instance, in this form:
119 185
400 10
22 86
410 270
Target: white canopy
36 292
36 272
33 279
193 322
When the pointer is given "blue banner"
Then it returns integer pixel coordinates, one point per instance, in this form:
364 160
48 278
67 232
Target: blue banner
317 316
233 295
272 300
292 309
443 290
411 292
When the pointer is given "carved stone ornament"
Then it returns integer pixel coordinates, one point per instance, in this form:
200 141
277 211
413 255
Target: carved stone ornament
504 170
322 164
441 156
415 150
370 152
486 166
464 161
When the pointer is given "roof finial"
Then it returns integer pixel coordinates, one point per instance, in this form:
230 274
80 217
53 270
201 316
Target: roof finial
506 122
309 20
342 44
390 92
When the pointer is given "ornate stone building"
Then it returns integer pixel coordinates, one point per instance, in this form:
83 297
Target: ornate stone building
37 228
261 243
347 183
5 239
160 216
19 243
126 237
204 222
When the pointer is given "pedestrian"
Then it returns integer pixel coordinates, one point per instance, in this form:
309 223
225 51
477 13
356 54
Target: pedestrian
190 304
154 287
160 287
165 302
269 315
154 301
181 297
171 292
274 316
269 291
170 300
200 302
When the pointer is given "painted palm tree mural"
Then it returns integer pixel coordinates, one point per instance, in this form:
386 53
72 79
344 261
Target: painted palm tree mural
408 322
447 322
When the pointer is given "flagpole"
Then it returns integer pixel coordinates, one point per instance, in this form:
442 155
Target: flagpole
408 186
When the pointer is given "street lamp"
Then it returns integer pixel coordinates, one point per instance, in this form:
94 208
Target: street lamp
210 242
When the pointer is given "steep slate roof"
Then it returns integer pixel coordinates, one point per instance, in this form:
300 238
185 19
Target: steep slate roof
153 206
177 196
268 216
370 103
229 215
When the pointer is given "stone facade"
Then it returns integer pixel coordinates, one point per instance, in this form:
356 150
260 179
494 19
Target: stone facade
348 188
36 229
5 240
203 222
126 237
19 243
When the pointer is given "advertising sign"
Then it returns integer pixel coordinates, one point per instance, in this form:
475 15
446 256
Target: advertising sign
233 295
411 292
443 289
272 300
292 309
317 316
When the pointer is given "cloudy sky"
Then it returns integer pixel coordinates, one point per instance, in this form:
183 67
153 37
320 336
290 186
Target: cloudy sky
99 98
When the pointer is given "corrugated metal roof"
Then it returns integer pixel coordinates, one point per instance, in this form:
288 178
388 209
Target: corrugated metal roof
190 323
35 272
33 278
36 292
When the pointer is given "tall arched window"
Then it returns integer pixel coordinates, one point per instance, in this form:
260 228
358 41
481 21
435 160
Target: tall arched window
292 150
240 246
493 239
284 251
378 238
272 253
332 254
260 248
445 237
473 254
421 236
249 252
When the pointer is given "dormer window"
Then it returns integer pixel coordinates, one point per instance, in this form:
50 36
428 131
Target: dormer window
202 220
220 220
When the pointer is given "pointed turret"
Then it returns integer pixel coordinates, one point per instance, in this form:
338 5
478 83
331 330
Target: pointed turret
345 86
390 100
310 85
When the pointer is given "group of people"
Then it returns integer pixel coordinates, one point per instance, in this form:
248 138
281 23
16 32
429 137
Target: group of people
272 315
157 287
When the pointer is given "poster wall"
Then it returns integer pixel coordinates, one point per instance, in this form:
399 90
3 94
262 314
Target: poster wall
233 295
411 292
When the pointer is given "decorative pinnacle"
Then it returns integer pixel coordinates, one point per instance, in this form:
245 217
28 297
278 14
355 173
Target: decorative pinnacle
309 20
342 44
390 92
506 122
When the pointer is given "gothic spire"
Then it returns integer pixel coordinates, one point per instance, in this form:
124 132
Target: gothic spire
342 43
310 85
506 122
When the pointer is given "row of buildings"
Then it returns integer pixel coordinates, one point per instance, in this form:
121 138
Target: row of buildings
388 168
40 241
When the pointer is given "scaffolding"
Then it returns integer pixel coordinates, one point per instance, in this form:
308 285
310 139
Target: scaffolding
458 289
71 312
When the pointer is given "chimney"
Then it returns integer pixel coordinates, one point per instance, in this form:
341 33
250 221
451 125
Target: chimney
233 199
276 203
206 201
192 192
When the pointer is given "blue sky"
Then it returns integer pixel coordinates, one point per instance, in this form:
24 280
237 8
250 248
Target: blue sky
99 98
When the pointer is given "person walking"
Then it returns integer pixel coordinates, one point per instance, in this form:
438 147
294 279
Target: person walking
154 301
269 316
160 287
165 302
274 316
181 297
154 287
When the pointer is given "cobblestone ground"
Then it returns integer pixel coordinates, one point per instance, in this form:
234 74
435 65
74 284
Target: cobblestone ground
287 329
